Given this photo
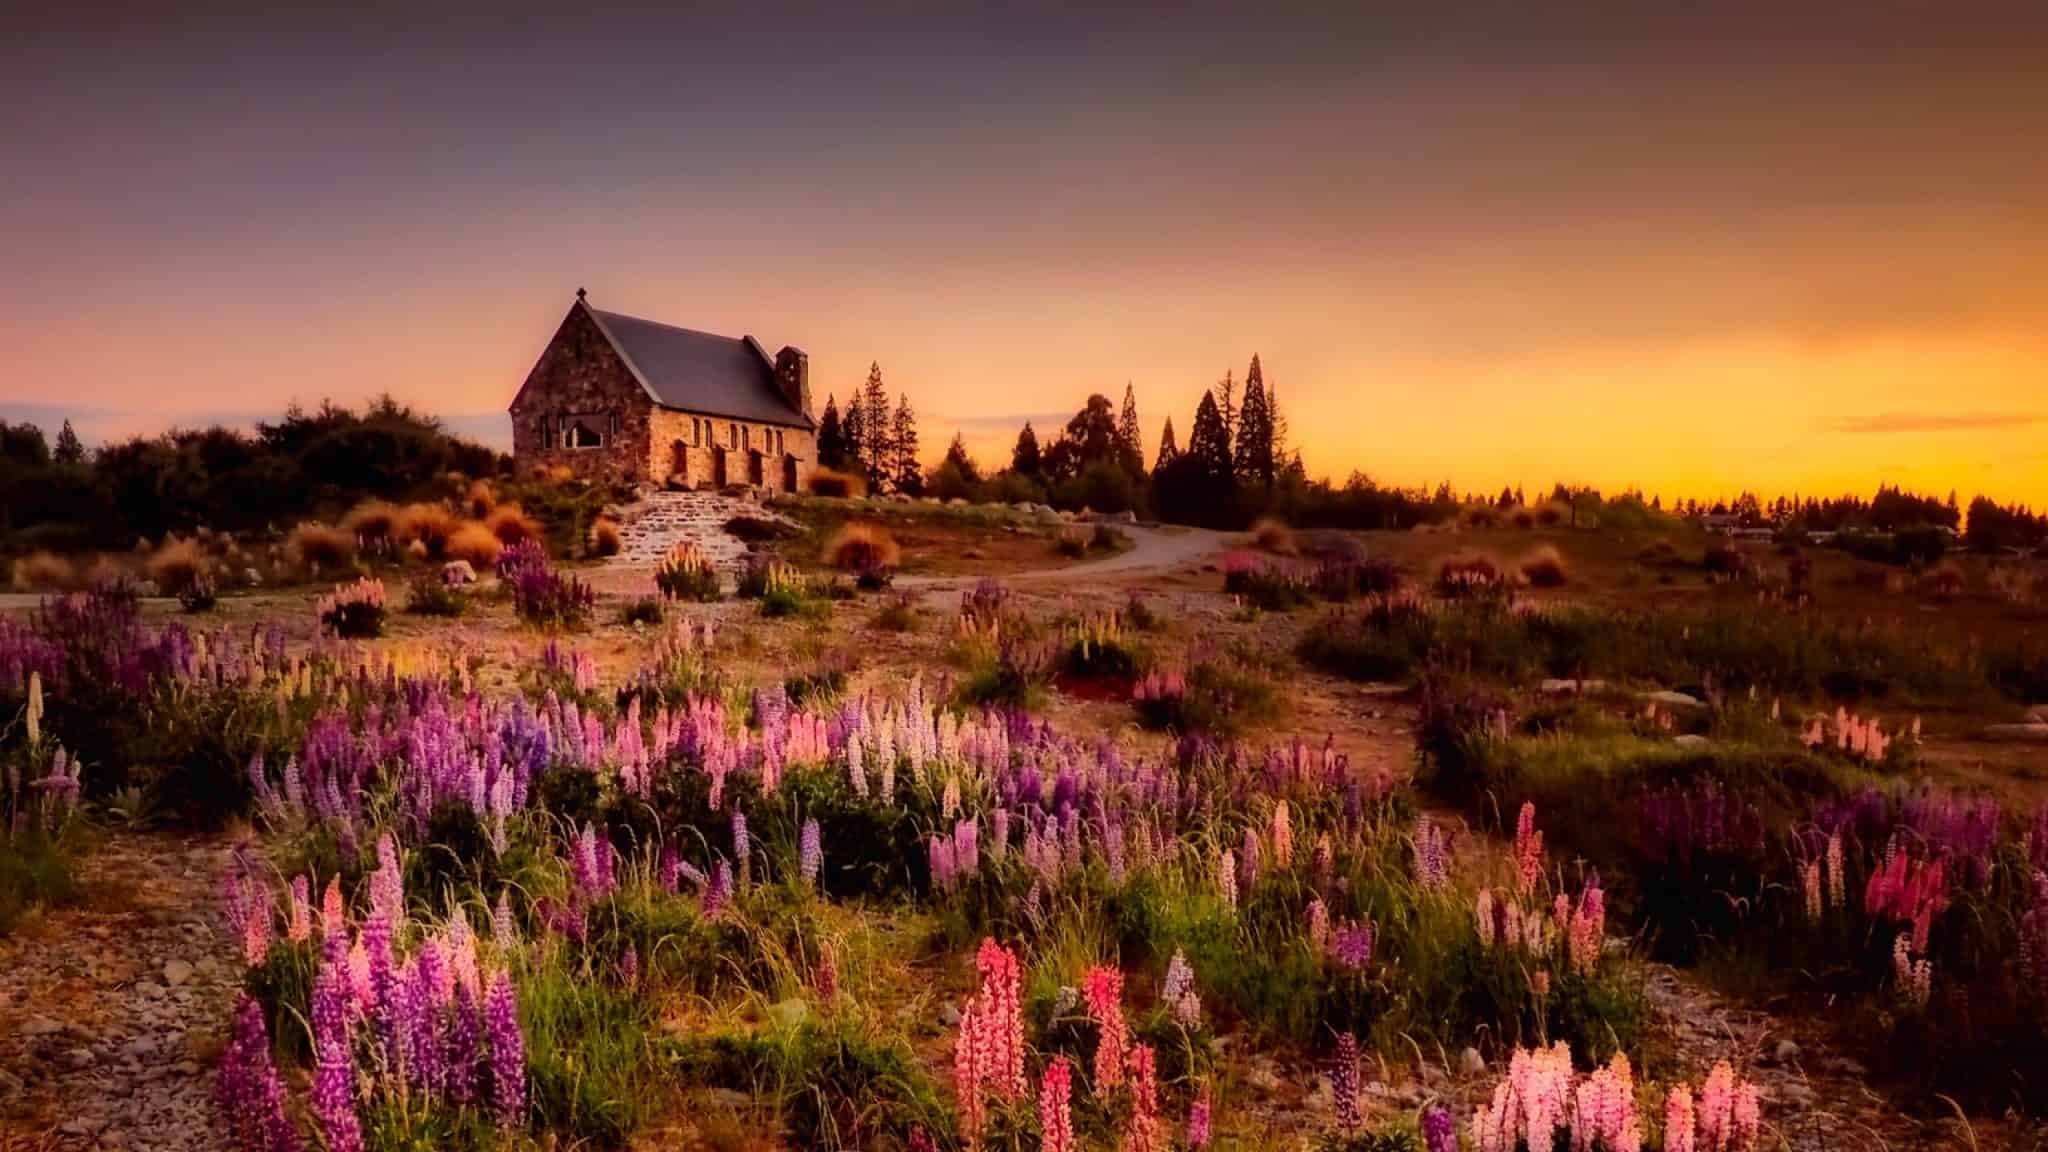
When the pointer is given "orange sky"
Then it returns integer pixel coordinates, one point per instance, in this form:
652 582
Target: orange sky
1693 253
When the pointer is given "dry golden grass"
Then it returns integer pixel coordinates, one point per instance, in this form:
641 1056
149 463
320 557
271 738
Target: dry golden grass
605 537
862 547
314 547
511 524
475 542
177 564
832 482
480 499
107 568
428 525
1272 535
44 572
373 523
1543 567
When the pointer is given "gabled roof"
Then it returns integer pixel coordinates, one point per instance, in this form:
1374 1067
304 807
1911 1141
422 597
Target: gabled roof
697 371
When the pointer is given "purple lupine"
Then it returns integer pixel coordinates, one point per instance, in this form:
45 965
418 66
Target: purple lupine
507 1060
1439 1129
460 1056
1352 945
504 930
1344 1083
719 890
811 852
333 1094
671 868
426 1044
740 842
250 1094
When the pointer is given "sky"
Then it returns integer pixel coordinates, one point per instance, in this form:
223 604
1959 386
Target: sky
1785 248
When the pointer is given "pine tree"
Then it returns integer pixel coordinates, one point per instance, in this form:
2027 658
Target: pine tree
1129 438
1209 443
908 474
1025 459
1226 407
1168 450
853 436
1253 459
1281 448
831 436
70 450
878 452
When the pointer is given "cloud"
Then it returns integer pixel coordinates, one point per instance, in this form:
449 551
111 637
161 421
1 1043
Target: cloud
1941 421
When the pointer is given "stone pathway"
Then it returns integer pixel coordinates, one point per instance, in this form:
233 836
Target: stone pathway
665 519
111 1014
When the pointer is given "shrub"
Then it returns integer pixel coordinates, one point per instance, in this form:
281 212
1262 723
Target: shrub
834 483
480 499
353 611
44 572
431 594
374 524
759 529
199 595
866 550
1218 696
474 543
314 547
427 525
1108 538
899 613
176 564
1072 541
605 537
1543 567
1272 585
546 598
686 573
1272 535
1723 559
641 610
510 524
1470 574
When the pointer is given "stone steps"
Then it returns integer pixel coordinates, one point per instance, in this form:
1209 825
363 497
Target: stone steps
662 520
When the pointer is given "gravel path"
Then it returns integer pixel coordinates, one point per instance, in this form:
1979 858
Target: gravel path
111 1014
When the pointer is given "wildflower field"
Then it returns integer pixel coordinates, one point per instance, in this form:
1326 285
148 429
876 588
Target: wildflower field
1305 850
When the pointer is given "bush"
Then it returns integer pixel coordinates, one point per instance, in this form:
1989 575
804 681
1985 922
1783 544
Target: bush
642 611
176 564
431 594
1073 540
686 573
427 525
374 524
1543 567
759 529
1470 574
834 483
353 611
44 572
866 550
314 548
546 598
899 613
1272 535
474 543
199 595
510 524
605 537
480 499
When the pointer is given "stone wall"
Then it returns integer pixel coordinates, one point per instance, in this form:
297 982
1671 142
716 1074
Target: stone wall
704 440
581 376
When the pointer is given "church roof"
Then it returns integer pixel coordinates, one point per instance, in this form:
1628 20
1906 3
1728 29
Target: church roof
698 371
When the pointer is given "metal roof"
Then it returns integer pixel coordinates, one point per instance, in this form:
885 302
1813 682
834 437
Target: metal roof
698 371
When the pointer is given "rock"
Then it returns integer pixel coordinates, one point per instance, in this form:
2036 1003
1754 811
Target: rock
949 1016
40 1026
176 972
1671 699
252 578
1691 740
1785 1052
1262 1075
149 990
81 1058
1470 1062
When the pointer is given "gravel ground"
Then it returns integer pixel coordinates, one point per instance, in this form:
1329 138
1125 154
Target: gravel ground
111 1013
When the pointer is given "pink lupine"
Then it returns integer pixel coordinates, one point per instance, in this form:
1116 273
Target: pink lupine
1344 1084
1747 1116
1055 1106
1679 1133
1432 858
299 922
1588 929
1528 848
1226 878
333 915
1282 834
1142 1134
1001 999
970 1074
1103 990
1318 925
1716 1107
1198 1119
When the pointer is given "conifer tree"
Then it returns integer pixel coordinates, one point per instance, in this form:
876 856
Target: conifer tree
1226 407
1253 459
908 475
877 452
1169 451
831 436
1130 440
71 451
1025 459
853 436
1209 443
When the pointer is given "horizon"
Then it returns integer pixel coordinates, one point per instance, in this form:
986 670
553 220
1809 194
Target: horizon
1672 252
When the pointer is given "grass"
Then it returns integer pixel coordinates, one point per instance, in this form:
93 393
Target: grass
36 871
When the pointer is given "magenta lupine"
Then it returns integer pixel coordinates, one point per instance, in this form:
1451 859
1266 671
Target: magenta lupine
1344 1083
1528 848
810 852
463 1042
507 1057
1432 858
250 1094
1055 1099
741 845
1198 1120
1439 1130
333 1090
718 891
1352 944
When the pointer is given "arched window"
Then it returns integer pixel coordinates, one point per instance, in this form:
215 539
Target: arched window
732 436
582 435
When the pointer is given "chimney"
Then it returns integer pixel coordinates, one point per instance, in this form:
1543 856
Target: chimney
793 377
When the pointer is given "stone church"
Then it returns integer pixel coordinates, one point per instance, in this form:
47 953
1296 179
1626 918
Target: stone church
619 399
